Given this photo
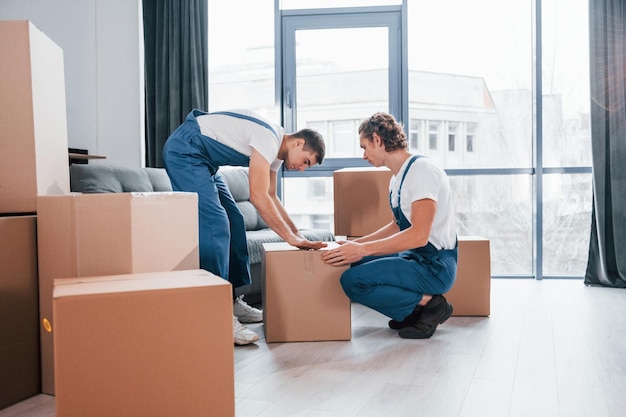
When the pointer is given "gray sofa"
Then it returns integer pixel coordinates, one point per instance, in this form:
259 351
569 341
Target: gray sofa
87 178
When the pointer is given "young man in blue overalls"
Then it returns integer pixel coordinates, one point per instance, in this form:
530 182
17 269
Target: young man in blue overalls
402 269
193 154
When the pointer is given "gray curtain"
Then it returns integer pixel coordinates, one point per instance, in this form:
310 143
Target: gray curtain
607 249
176 67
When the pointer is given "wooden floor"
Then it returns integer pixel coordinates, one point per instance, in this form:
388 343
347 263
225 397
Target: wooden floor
552 348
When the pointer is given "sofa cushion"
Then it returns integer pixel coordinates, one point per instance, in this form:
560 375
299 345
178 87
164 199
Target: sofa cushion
237 181
250 215
108 179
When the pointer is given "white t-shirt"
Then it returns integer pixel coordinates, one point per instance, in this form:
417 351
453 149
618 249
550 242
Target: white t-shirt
426 180
243 135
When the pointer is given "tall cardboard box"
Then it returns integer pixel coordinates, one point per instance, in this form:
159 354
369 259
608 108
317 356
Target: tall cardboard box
302 298
19 330
152 344
33 123
84 235
471 293
361 200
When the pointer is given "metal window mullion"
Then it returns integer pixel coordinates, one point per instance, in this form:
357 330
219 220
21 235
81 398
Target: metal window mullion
537 221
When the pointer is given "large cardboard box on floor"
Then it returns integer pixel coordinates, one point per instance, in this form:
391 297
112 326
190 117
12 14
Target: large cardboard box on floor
361 200
33 122
151 344
19 331
471 293
302 298
83 235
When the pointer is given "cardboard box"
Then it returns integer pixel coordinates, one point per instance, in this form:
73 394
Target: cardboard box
302 298
19 317
361 200
83 235
471 293
153 344
33 123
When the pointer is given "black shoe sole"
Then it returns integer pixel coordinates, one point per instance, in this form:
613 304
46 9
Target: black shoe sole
397 325
413 333
408 321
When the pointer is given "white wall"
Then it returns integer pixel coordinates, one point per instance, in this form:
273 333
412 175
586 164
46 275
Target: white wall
102 42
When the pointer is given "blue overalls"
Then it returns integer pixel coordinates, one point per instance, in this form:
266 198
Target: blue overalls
192 161
394 284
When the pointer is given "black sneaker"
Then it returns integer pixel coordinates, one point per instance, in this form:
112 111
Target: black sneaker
409 320
434 313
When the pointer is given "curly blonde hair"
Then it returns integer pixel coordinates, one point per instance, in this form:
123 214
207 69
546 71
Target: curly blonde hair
390 131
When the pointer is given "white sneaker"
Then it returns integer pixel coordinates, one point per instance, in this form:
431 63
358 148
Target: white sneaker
246 313
243 335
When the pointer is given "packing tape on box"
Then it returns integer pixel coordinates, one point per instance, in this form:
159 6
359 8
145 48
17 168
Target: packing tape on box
308 265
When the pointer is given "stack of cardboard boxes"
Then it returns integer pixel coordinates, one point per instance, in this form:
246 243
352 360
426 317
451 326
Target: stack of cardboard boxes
33 161
362 207
19 332
173 317
89 235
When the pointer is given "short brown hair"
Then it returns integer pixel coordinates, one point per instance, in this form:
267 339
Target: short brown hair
313 142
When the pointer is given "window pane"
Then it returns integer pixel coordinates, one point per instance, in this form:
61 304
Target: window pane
335 83
567 202
471 76
565 83
241 68
498 207
309 202
343 139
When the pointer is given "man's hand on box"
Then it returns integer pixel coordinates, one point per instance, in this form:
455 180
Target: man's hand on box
302 243
347 253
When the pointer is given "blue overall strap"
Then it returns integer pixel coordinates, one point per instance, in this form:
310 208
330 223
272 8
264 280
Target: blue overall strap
413 159
400 218
250 118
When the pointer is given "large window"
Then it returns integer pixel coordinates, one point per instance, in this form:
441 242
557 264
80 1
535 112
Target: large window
241 56
473 101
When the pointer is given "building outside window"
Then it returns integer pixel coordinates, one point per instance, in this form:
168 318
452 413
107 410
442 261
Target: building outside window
452 128
469 137
415 127
341 138
433 135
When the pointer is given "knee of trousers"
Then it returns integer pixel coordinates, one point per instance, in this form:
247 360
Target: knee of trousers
351 285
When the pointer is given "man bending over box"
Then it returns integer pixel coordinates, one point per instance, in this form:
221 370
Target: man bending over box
193 154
